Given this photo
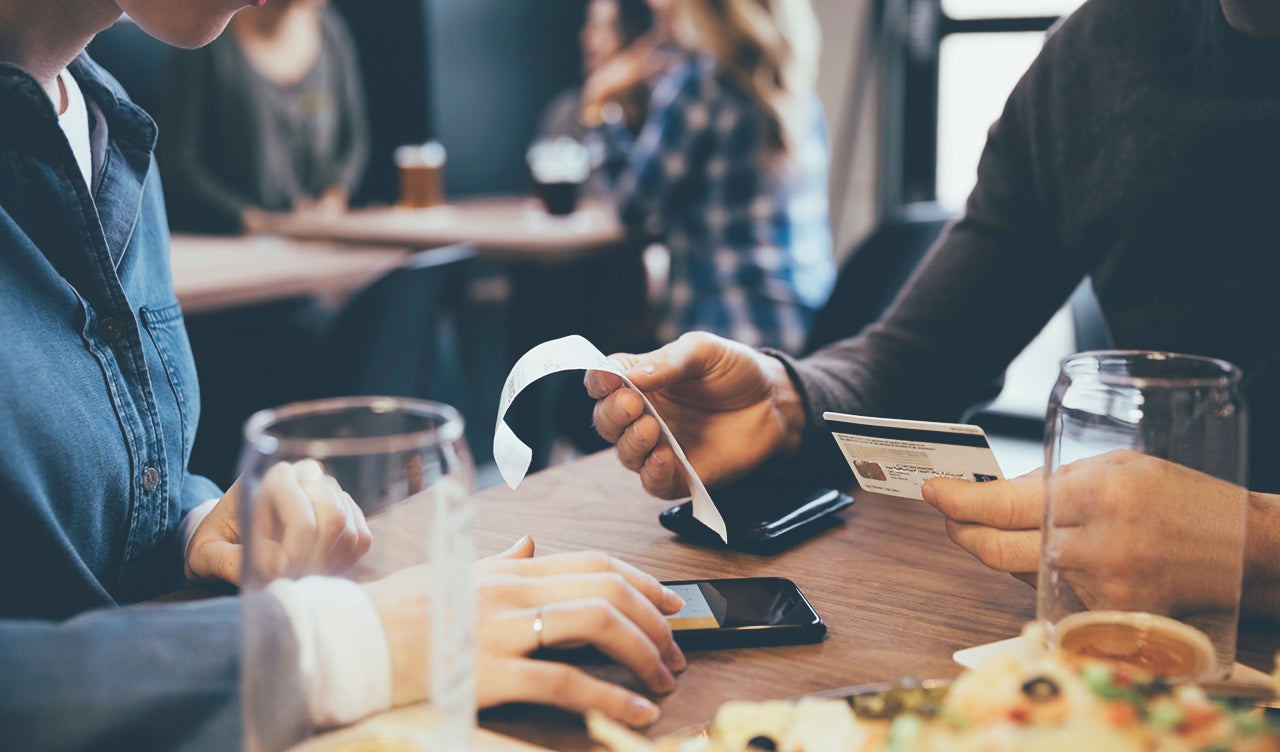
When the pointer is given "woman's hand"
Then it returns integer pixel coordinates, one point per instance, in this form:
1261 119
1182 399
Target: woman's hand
303 523
712 392
617 77
528 607
1133 531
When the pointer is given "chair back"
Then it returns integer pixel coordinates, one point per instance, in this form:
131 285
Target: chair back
390 337
874 271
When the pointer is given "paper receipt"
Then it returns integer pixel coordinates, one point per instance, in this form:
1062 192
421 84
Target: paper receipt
575 353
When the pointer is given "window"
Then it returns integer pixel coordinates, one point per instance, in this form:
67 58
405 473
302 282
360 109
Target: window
957 61
960 59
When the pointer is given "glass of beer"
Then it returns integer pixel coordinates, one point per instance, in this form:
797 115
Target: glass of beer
421 175
1150 424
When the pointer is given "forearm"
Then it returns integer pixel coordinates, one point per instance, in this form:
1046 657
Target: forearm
143 677
1261 596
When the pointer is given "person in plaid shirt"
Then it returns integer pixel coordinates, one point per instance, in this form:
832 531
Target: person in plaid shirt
729 170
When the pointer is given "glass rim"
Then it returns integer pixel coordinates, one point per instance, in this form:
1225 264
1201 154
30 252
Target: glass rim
258 434
1227 372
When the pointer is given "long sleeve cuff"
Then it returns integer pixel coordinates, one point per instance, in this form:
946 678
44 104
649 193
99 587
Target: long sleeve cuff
345 662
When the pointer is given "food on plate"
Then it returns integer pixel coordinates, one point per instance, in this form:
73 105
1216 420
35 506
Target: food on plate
1034 702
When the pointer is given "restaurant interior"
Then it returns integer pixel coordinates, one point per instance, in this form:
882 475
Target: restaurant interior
405 236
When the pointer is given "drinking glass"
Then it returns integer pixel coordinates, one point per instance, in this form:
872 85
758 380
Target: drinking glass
405 464
1147 572
559 167
421 168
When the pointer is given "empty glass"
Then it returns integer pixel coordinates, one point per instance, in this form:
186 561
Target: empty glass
1144 518
403 465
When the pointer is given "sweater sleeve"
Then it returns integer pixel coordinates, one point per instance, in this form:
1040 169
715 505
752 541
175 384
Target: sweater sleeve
981 294
354 155
191 80
143 677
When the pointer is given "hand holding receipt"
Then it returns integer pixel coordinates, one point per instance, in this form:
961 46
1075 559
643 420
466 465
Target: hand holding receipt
575 353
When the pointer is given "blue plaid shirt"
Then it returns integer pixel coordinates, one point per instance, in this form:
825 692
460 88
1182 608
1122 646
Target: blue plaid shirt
750 243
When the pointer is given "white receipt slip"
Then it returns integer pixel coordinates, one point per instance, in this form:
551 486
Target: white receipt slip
575 353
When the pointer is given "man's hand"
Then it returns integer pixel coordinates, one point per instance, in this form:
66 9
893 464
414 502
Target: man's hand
303 523
729 406
1129 530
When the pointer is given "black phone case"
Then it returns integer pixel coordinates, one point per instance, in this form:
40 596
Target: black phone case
761 518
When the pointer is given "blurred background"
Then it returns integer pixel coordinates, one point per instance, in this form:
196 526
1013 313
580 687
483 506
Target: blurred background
908 88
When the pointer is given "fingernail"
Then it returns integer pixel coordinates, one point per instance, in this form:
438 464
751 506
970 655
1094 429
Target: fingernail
930 496
642 712
675 658
518 544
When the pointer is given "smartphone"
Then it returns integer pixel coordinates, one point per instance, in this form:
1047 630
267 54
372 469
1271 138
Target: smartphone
743 612
762 518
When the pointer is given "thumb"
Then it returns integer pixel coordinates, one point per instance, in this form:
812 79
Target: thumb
217 559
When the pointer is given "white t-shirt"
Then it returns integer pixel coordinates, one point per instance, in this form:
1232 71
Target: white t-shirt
74 121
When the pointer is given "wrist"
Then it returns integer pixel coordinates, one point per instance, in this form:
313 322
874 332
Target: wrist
788 407
1261 588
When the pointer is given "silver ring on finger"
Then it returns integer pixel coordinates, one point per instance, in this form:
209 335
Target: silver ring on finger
537 626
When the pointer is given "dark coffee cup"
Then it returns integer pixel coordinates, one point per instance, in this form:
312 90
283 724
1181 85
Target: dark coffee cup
560 198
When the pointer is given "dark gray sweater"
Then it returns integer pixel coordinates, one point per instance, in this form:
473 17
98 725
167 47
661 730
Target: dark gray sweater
233 139
1142 148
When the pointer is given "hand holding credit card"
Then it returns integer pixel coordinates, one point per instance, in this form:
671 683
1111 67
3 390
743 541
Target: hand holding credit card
895 457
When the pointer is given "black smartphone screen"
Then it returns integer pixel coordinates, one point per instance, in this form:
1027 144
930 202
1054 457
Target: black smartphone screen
742 612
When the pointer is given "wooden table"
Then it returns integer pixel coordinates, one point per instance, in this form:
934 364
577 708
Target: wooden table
212 272
898 597
508 227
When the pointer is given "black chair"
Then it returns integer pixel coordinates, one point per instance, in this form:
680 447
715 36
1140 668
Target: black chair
874 271
388 337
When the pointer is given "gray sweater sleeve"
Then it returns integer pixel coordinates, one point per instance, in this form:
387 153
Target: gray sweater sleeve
981 294
192 80
354 157
141 677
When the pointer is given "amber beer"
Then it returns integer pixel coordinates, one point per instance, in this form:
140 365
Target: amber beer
421 175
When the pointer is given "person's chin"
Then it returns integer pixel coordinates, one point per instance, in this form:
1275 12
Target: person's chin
188 36
1260 18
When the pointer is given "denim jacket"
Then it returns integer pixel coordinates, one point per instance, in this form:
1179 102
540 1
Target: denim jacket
98 396
98 409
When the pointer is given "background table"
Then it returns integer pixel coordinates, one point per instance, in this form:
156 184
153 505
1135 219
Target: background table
897 595
214 272
508 227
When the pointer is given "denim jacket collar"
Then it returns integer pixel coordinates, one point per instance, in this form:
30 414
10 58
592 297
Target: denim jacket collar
120 172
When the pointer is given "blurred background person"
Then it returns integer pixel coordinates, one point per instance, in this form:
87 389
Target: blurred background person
609 27
729 170
268 118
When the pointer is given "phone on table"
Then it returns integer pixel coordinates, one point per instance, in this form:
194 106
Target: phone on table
743 612
761 518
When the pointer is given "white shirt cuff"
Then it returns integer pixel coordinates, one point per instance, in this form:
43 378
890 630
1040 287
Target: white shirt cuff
343 654
192 521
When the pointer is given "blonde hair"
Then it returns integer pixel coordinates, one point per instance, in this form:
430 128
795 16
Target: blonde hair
770 47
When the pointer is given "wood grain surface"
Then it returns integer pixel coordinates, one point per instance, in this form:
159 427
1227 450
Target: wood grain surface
897 596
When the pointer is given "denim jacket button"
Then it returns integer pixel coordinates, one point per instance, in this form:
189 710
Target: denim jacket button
150 479
110 328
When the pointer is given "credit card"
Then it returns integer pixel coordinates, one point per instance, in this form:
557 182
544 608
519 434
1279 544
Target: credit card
895 457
